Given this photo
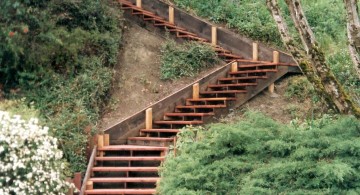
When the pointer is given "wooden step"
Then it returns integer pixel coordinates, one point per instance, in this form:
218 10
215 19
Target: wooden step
131 148
159 139
163 23
125 169
253 71
178 122
125 179
242 78
121 191
174 114
232 85
210 99
224 92
257 65
202 106
130 158
160 130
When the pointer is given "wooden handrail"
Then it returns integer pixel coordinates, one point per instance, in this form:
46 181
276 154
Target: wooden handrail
88 170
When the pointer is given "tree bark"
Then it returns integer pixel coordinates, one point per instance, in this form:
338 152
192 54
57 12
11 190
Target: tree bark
311 59
353 32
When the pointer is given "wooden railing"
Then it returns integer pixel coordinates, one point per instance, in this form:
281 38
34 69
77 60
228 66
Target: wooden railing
88 171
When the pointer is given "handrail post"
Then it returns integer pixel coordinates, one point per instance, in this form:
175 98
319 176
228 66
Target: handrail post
214 35
234 67
138 3
196 91
148 119
171 15
276 60
255 51
101 144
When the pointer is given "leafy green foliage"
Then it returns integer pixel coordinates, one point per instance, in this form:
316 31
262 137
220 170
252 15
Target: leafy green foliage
59 54
300 88
251 18
259 156
179 60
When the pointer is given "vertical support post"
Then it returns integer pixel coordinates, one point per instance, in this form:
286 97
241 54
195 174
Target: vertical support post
276 60
106 139
214 35
171 15
77 180
255 51
138 3
196 91
101 144
89 185
71 190
234 67
148 119
276 57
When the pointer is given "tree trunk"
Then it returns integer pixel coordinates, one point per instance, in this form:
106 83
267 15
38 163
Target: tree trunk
311 60
353 32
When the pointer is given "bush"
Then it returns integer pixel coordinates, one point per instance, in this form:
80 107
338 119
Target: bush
186 59
260 156
30 162
299 87
59 55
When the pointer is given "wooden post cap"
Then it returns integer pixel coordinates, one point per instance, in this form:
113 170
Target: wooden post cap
196 91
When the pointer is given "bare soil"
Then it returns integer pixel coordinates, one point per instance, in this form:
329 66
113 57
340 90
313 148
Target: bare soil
137 82
278 106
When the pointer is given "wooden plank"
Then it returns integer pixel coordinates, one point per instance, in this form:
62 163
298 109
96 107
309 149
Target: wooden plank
171 15
88 171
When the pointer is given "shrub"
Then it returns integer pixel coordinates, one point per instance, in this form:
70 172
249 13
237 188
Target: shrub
260 156
186 59
300 88
30 162
60 56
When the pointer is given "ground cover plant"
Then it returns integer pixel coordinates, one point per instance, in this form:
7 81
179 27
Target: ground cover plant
260 156
186 59
57 56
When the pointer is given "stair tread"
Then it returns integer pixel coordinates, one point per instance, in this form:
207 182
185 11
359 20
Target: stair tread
202 106
189 114
121 191
242 78
151 138
232 85
209 99
225 91
182 31
253 71
116 169
130 158
230 55
160 130
131 147
179 122
123 179
257 65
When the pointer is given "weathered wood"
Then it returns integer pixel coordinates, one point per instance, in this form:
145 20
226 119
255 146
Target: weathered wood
149 118
255 51
71 190
106 139
139 3
89 185
214 35
196 91
88 171
276 57
100 144
77 180
234 67
171 15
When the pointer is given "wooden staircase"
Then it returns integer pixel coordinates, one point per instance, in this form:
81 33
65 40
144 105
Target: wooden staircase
133 168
